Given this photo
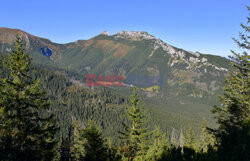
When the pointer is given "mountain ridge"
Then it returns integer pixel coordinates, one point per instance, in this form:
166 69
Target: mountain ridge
106 33
190 81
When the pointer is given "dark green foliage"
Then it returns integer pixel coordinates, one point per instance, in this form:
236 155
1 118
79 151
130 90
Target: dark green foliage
158 146
77 148
95 146
88 143
233 134
25 133
136 135
189 139
113 153
207 140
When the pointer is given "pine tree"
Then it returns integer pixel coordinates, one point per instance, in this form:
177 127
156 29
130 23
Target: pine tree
233 116
58 150
88 143
77 148
95 145
135 137
181 141
113 153
66 146
189 139
25 132
206 139
160 144
174 138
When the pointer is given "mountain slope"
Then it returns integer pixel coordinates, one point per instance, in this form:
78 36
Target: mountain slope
171 78
184 77
69 99
36 46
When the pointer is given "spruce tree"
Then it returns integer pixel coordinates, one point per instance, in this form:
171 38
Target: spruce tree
233 116
173 140
189 139
58 150
160 144
88 143
181 140
113 153
206 139
25 132
95 146
77 149
135 137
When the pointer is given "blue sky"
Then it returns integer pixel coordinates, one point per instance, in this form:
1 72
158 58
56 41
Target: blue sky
206 26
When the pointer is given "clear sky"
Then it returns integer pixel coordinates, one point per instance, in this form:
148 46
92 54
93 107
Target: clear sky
206 26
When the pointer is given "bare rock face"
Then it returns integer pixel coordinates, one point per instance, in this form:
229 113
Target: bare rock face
195 57
134 35
197 54
105 33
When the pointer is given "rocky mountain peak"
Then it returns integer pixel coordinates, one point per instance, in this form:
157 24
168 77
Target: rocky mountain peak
105 33
134 35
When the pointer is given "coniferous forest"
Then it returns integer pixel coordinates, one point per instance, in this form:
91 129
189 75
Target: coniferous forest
40 118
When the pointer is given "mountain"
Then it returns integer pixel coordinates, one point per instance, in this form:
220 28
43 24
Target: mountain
170 78
38 47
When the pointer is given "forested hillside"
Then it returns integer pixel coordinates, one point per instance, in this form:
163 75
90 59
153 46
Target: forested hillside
28 117
49 113
174 80
179 87
106 106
